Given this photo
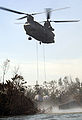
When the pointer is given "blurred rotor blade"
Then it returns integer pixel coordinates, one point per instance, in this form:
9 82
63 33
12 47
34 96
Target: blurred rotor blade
22 24
22 18
56 21
60 9
10 10
50 10
19 23
37 13
6 9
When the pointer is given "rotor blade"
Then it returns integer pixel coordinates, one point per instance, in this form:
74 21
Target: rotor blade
50 10
22 18
37 13
56 21
6 9
22 24
59 9
19 23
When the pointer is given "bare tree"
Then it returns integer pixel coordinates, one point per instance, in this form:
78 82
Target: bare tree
16 70
5 68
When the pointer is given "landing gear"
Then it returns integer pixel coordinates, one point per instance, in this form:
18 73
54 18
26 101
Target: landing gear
29 38
40 42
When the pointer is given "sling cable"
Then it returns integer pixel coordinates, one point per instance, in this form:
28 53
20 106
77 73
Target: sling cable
38 63
44 62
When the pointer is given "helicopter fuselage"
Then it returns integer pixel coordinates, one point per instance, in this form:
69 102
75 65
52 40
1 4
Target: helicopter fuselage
42 33
39 32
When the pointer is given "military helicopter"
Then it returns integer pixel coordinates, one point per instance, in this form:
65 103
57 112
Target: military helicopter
42 33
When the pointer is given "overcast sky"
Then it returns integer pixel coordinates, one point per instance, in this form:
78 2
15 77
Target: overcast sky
62 58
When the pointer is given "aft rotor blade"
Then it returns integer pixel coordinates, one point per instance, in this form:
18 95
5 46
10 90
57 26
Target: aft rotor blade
56 21
60 9
6 9
48 13
50 10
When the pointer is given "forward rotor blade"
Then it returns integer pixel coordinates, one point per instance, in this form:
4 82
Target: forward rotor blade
6 9
22 23
19 23
22 18
56 21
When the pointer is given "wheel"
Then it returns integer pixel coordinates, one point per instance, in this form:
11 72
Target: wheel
40 42
29 38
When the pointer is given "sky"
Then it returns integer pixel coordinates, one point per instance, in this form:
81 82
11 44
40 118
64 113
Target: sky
63 58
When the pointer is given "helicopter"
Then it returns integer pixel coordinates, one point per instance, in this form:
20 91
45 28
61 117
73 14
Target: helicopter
42 33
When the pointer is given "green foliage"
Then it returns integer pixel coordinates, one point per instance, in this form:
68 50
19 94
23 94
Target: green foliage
13 100
62 90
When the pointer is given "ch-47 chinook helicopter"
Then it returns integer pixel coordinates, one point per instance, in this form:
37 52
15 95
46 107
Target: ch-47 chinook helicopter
43 33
